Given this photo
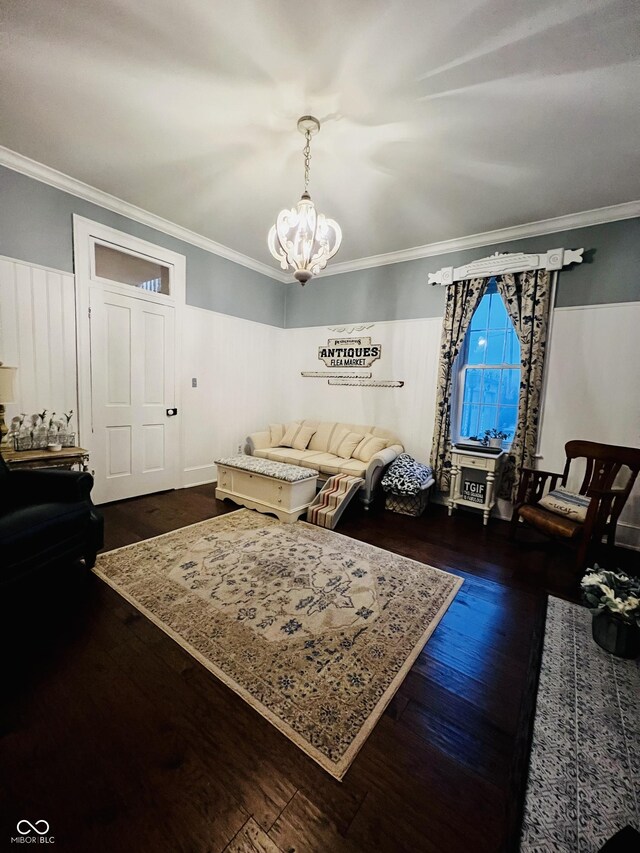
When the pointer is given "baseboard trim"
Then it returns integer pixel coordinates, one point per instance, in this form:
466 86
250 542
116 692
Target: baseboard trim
198 475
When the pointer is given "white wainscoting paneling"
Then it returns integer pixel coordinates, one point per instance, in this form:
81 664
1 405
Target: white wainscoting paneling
593 389
238 368
410 351
38 336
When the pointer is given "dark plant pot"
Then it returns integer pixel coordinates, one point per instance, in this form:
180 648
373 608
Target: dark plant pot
615 636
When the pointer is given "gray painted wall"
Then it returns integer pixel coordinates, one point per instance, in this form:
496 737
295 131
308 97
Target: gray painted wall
609 273
36 226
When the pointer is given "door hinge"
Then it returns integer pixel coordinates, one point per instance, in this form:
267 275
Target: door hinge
89 313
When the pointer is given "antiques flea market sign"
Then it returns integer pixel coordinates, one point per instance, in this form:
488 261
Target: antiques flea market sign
349 352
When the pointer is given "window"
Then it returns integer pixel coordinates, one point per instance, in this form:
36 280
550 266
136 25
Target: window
116 265
488 379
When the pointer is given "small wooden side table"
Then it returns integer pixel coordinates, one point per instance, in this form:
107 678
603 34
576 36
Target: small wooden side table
491 463
67 458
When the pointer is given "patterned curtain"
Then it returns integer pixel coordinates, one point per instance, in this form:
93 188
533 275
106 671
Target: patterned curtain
463 298
526 296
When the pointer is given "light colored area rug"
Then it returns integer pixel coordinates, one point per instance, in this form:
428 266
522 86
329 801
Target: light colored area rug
584 773
314 630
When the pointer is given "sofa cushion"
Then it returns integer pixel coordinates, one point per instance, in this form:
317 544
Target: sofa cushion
368 447
355 467
291 431
338 436
326 463
303 437
293 456
276 431
322 437
278 454
344 443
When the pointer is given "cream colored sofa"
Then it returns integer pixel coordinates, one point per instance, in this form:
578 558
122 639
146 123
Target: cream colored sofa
317 456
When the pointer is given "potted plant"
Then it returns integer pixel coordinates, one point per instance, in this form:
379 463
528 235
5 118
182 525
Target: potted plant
495 437
614 600
68 438
39 431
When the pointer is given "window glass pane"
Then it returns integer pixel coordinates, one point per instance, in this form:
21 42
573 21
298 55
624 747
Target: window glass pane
512 347
472 385
477 347
497 313
510 387
491 386
469 425
487 419
127 269
481 314
507 418
495 347
490 394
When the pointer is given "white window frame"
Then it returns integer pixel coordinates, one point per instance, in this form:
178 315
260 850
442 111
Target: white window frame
460 368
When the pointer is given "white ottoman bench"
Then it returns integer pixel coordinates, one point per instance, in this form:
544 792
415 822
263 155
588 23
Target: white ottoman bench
285 490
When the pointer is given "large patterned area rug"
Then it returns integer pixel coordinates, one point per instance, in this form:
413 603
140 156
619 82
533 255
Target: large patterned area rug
314 630
584 775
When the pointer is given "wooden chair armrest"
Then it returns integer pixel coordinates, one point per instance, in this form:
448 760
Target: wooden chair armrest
593 492
533 485
603 507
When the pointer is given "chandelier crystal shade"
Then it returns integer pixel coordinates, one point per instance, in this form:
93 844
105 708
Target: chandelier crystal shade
302 238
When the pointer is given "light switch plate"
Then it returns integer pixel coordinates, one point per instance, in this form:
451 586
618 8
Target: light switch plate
194 382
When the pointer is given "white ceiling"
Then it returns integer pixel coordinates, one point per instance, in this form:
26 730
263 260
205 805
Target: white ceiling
441 118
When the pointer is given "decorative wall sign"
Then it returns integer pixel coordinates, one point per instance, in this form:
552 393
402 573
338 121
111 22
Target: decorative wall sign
474 491
328 374
351 329
349 352
371 383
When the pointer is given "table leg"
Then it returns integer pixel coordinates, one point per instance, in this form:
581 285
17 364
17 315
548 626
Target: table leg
454 488
490 483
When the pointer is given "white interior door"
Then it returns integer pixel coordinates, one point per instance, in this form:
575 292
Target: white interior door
133 387
130 297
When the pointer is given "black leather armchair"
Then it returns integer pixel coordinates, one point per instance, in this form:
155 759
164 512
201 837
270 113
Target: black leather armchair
47 521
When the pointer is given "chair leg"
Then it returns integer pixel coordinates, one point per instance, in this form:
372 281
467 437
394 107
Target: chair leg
515 520
581 555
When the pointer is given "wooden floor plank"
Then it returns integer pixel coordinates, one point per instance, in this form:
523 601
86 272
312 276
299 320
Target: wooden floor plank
251 839
123 742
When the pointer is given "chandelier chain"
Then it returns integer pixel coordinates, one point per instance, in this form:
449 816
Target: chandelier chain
307 158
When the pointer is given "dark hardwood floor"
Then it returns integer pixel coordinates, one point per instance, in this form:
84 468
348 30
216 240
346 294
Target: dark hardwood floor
122 742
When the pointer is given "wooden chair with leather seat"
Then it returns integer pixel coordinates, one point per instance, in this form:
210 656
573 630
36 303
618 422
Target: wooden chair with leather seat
604 468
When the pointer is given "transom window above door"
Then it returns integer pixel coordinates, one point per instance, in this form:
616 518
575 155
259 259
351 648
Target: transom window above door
488 378
115 265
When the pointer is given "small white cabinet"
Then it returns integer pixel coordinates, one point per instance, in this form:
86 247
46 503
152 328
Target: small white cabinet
489 463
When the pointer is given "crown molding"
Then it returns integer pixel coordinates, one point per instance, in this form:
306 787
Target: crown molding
569 222
47 175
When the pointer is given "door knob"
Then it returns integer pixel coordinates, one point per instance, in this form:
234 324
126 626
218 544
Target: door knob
171 412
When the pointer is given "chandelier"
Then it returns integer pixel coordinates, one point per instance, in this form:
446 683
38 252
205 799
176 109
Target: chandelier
302 238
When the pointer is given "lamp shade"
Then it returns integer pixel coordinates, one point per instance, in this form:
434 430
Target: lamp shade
7 384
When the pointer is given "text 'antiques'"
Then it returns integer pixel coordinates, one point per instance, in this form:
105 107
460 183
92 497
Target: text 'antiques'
349 352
